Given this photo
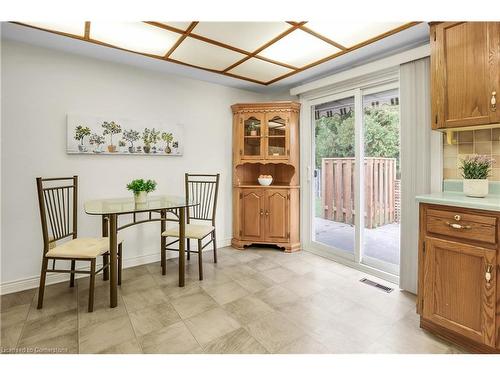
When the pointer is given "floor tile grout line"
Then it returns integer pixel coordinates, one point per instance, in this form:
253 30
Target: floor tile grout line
25 320
77 318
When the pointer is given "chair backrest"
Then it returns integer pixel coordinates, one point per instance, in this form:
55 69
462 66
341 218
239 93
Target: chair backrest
57 200
202 189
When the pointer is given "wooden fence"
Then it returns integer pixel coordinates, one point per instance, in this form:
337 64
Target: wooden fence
337 190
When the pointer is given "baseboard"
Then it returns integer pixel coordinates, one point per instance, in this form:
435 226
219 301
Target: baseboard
54 278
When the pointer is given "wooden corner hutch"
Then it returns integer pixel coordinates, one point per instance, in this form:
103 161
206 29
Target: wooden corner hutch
266 142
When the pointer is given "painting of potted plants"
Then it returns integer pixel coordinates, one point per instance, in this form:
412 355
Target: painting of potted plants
111 128
475 171
167 138
97 141
150 137
80 133
131 136
122 136
141 188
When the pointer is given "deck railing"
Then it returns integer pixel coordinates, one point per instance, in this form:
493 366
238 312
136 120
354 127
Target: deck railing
337 190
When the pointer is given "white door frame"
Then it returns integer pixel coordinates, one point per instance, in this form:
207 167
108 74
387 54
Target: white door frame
357 88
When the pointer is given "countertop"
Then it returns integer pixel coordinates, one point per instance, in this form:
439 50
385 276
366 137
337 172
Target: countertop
452 198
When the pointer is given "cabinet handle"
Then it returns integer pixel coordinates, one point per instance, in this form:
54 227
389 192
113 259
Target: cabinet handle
493 101
267 213
458 226
487 275
261 212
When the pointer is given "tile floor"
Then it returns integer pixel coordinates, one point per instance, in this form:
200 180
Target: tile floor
253 301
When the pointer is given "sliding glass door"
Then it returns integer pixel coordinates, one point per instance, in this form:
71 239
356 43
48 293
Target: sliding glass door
356 177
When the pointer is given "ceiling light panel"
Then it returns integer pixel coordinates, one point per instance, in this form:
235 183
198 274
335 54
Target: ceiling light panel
134 36
298 49
247 36
349 34
178 25
195 52
259 70
74 28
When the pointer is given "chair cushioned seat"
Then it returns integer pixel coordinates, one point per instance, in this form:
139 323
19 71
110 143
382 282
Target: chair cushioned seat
80 248
195 231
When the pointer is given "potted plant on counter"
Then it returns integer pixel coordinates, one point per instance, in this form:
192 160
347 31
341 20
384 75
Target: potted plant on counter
131 136
97 141
167 138
475 171
141 188
80 133
111 128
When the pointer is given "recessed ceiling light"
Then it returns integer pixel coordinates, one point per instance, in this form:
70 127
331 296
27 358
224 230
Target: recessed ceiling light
349 34
134 36
74 28
298 49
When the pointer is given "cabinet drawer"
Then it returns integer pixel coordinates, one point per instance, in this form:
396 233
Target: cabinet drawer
456 224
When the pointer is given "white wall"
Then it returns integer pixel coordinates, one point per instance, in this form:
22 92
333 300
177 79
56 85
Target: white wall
40 86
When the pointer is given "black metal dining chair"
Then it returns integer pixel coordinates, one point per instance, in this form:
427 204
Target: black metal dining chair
202 189
58 205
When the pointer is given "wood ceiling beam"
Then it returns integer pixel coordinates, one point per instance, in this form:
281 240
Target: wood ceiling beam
181 38
87 30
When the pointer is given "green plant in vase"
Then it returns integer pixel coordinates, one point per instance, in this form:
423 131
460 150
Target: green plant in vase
141 188
167 138
111 128
97 141
80 133
475 171
150 137
131 136
252 129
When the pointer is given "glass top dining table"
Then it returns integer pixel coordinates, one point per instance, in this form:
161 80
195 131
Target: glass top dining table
122 206
109 209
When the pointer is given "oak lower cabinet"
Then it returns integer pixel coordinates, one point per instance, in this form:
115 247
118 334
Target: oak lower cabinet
458 269
266 217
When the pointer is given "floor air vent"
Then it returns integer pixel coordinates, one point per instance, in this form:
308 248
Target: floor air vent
376 285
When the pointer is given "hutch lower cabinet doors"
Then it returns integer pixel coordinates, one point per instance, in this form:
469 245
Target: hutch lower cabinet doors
266 143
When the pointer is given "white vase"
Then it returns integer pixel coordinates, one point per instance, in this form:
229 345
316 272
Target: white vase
141 197
476 188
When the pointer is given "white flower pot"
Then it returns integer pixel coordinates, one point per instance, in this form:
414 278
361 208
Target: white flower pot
141 197
476 188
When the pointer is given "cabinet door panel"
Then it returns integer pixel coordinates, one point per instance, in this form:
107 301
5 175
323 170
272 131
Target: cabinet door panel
277 143
277 227
494 62
252 211
457 295
252 131
461 74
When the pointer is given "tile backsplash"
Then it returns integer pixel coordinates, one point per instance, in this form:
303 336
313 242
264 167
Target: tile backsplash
483 142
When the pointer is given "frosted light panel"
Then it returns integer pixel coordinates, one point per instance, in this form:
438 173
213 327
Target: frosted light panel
349 34
298 49
134 36
74 28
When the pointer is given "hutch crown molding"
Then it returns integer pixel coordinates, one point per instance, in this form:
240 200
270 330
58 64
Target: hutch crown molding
266 142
